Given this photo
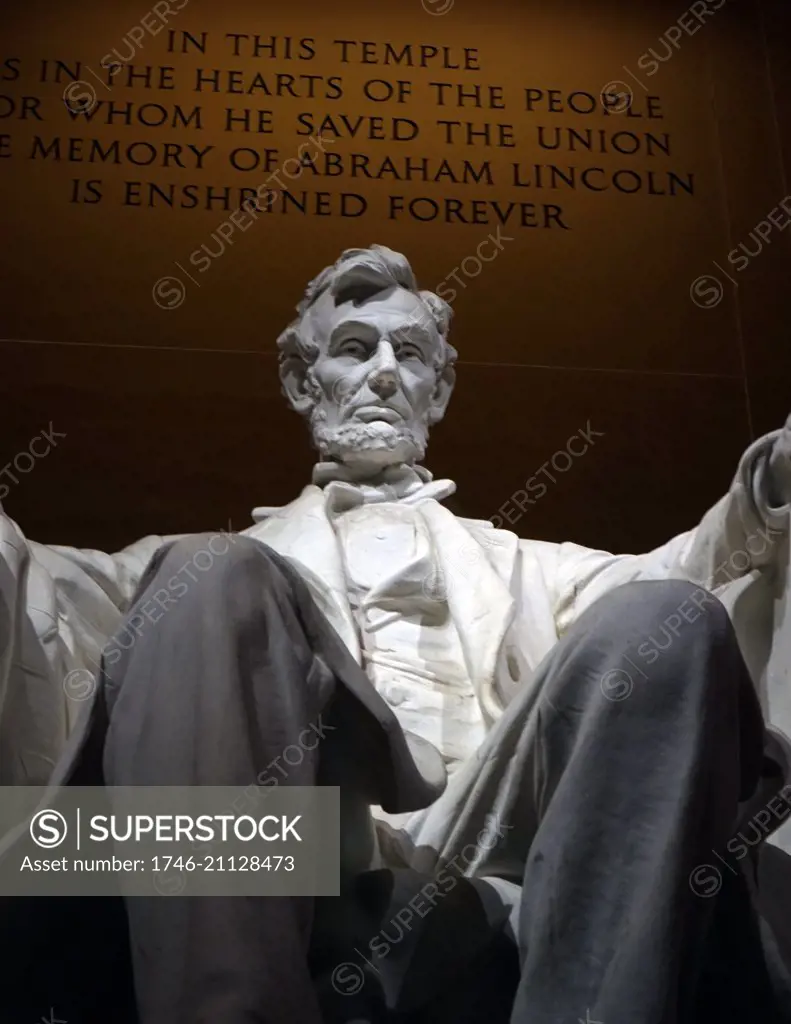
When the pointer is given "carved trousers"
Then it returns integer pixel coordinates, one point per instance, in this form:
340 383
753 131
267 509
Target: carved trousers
618 786
610 796
607 798
213 694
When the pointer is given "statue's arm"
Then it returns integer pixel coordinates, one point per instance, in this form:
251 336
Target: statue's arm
93 590
58 607
744 532
116 574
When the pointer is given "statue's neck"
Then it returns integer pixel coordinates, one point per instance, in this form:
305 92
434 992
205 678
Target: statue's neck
400 474
389 483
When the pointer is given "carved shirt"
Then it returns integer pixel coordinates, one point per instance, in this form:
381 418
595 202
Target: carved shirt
409 641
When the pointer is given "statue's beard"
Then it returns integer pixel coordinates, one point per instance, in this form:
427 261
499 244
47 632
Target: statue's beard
378 443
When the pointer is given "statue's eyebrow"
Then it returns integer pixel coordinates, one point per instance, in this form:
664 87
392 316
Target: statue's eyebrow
366 332
413 331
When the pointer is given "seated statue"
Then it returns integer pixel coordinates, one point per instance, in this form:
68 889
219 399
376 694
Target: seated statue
577 735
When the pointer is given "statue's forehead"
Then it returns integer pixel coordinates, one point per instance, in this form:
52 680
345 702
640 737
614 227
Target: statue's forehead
397 303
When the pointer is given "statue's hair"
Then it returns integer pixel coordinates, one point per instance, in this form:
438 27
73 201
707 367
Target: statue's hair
357 275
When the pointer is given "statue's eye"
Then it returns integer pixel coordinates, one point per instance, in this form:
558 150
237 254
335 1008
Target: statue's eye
409 351
352 347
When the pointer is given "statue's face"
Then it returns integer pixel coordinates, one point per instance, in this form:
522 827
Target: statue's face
374 383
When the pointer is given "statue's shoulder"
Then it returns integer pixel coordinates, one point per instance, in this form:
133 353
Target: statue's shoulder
500 546
304 504
487 532
530 553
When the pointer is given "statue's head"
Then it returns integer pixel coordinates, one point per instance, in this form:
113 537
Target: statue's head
367 360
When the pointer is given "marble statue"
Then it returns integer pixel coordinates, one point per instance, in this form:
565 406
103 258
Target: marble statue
460 627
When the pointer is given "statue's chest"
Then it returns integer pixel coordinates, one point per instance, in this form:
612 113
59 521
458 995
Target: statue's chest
410 643
385 548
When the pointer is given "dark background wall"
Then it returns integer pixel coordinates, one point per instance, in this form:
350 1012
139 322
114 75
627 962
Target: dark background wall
173 418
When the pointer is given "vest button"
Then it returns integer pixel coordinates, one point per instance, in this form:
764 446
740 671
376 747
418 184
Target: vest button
396 695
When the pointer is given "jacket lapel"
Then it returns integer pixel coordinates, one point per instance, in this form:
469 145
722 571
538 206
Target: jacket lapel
477 567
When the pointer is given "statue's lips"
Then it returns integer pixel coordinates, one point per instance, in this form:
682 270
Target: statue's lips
372 413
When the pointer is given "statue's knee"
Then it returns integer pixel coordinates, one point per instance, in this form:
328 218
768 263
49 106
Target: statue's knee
190 576
660 635
675 607
207 554
204 566
657 630
203 549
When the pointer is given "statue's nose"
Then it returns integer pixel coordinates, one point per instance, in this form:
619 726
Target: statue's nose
383 378
383 383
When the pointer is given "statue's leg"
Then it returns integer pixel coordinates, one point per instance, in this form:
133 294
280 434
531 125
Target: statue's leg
615 788
237 669
649 736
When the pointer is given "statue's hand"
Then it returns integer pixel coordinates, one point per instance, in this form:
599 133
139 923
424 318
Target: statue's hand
780 466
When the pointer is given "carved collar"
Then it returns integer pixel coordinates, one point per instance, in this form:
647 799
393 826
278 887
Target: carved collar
402 483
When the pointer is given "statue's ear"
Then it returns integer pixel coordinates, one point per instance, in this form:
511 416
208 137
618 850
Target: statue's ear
442 393
442 313
293 376
294 373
